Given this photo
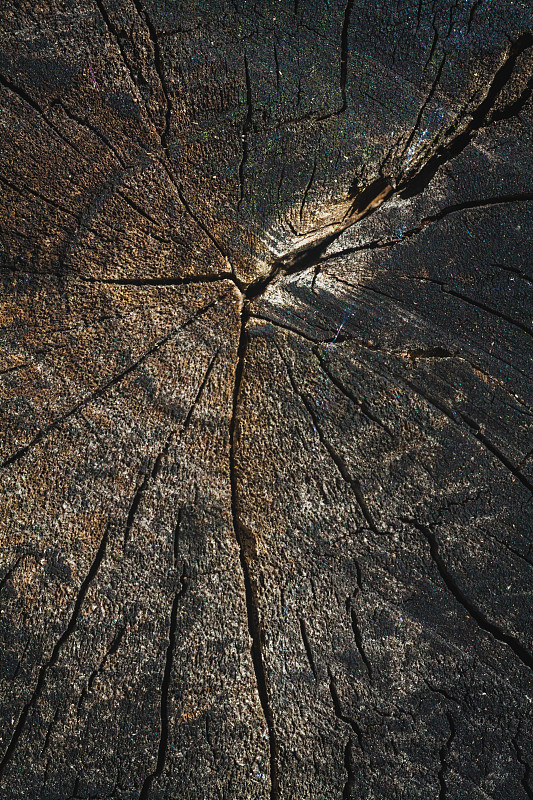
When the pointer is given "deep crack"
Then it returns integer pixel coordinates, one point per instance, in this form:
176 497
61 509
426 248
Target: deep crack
48 664
477 615
246 546
416 181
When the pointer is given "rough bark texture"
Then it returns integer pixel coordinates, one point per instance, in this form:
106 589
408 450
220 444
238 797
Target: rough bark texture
267 461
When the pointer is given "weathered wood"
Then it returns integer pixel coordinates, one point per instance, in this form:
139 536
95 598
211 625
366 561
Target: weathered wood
266 400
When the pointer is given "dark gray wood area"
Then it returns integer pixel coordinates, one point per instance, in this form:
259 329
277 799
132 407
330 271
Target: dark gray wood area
266 380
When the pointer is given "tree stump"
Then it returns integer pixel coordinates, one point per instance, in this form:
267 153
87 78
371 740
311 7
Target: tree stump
267 404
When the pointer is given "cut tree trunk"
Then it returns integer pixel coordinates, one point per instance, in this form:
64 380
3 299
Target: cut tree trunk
267 461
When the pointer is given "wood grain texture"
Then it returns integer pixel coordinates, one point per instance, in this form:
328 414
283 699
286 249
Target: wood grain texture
267 459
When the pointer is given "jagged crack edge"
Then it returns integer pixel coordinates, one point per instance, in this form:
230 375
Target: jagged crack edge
82 593
251 601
